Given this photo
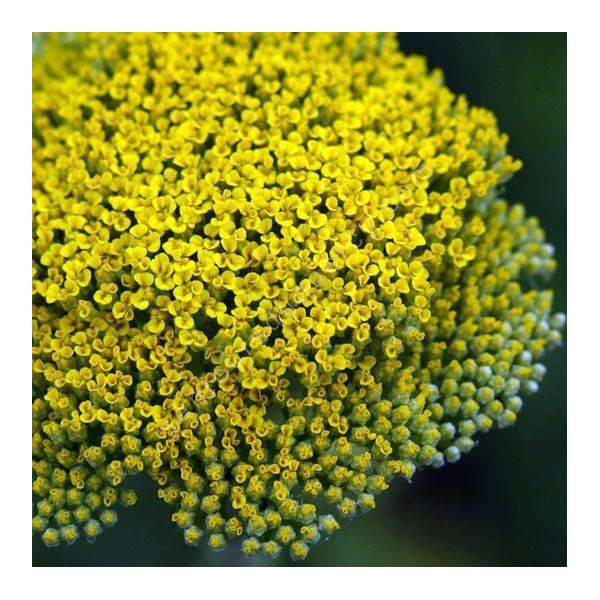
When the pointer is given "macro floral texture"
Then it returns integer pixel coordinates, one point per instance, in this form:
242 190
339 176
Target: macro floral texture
273 272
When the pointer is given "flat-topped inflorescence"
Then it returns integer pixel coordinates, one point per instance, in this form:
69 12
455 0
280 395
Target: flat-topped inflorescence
271 271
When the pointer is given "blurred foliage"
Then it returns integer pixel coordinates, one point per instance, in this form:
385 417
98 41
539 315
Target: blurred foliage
505 503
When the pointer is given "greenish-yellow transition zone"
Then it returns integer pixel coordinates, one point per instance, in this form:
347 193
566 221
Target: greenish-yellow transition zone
271 271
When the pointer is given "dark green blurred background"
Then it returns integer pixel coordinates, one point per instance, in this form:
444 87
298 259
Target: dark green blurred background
505 502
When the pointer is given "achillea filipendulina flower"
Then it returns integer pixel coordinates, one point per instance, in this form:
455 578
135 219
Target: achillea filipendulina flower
271 271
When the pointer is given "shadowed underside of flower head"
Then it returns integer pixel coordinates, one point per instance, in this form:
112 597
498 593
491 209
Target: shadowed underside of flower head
271 271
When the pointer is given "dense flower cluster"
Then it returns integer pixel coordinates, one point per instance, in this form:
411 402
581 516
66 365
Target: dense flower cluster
271 271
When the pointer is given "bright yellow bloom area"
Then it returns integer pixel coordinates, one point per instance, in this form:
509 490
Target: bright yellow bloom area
271 271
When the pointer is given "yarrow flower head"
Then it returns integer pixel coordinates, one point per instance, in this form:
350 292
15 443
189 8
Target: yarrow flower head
273 272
